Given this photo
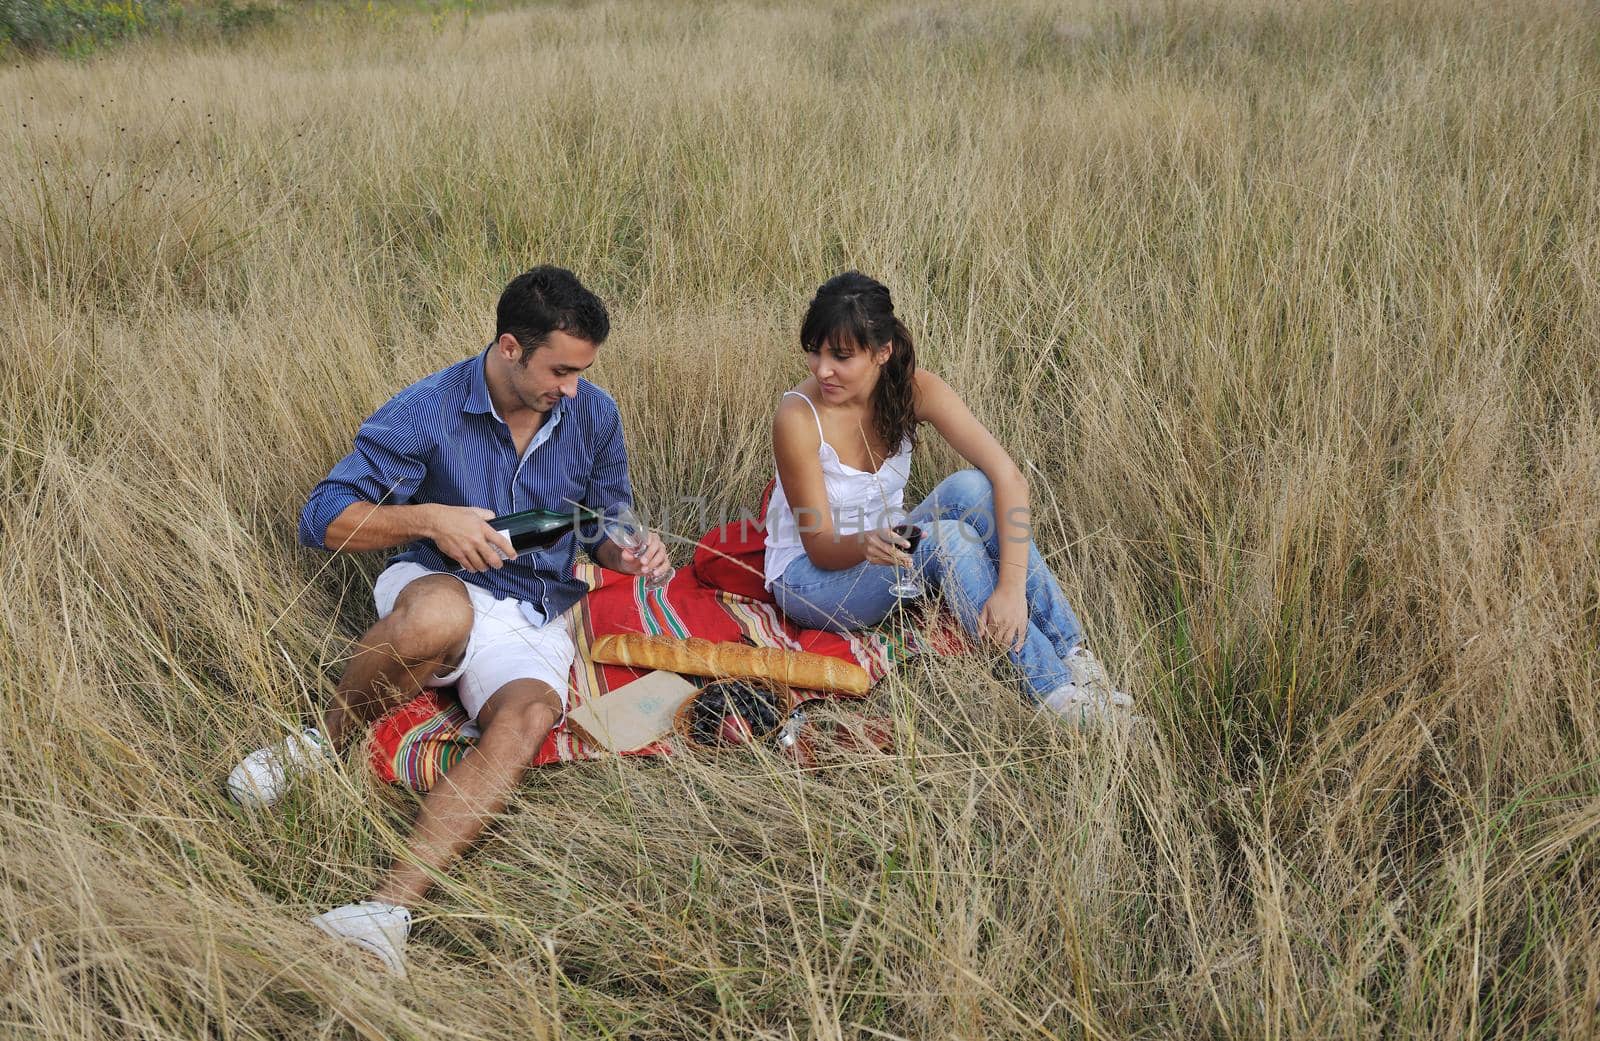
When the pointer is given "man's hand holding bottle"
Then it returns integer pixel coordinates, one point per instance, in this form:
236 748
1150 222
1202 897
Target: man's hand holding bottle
466 535
463 534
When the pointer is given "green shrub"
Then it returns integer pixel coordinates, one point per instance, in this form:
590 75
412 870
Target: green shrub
236 19
79 27
72 26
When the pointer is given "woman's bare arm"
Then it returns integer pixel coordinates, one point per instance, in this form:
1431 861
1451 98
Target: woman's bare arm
939 404
795 445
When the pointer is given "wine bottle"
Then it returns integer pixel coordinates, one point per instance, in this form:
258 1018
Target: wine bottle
533 529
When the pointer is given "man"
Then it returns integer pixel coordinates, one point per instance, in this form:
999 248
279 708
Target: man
513 428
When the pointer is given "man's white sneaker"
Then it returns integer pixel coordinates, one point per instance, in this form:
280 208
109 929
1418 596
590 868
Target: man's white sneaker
263 776
378 928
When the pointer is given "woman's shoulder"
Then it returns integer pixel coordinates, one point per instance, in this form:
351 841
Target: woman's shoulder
796 415
799 400
928 389
806 388
924 378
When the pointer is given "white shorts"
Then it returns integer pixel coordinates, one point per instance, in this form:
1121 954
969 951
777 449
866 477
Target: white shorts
503 645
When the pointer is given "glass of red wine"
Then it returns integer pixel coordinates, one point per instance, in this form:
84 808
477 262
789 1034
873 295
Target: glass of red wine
906 585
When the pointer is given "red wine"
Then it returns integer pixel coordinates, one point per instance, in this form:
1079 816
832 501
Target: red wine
911 533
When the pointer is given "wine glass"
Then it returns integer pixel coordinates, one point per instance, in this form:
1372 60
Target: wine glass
906 584
624 527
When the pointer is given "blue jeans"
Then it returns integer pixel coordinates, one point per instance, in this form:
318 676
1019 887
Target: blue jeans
959 553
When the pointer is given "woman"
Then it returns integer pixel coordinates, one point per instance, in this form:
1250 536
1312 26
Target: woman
842 441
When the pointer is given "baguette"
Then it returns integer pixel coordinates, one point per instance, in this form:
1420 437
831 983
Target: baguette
697 657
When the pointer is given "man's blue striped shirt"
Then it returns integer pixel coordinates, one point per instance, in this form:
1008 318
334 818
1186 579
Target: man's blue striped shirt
440 441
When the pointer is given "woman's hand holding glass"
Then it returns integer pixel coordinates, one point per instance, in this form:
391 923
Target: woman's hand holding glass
906 536
883 546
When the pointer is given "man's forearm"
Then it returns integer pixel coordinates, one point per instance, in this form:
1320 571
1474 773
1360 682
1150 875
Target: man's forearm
362 526
607 554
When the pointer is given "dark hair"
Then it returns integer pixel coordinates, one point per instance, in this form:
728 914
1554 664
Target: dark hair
852 310
545 300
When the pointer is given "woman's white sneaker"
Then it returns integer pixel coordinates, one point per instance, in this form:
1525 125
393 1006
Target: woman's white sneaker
378 928
1089 675
1076 705
1089 697
264 776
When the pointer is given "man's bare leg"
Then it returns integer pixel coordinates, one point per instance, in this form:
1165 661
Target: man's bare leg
425 634
429 629
515 722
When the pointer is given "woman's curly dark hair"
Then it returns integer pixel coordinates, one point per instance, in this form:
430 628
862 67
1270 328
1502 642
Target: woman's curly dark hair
856 311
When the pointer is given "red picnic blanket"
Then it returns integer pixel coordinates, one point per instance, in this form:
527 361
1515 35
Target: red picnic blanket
418 742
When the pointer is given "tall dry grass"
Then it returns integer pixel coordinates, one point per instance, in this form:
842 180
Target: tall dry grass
1291 310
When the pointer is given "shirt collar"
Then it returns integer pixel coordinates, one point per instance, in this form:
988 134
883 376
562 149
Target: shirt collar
478 388
479 402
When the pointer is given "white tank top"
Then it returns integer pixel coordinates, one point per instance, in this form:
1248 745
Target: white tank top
857 499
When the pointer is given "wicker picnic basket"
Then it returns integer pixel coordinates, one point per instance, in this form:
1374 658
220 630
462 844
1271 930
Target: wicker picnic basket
730 713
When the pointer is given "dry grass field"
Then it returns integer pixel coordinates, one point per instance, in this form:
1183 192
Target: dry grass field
1291 309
